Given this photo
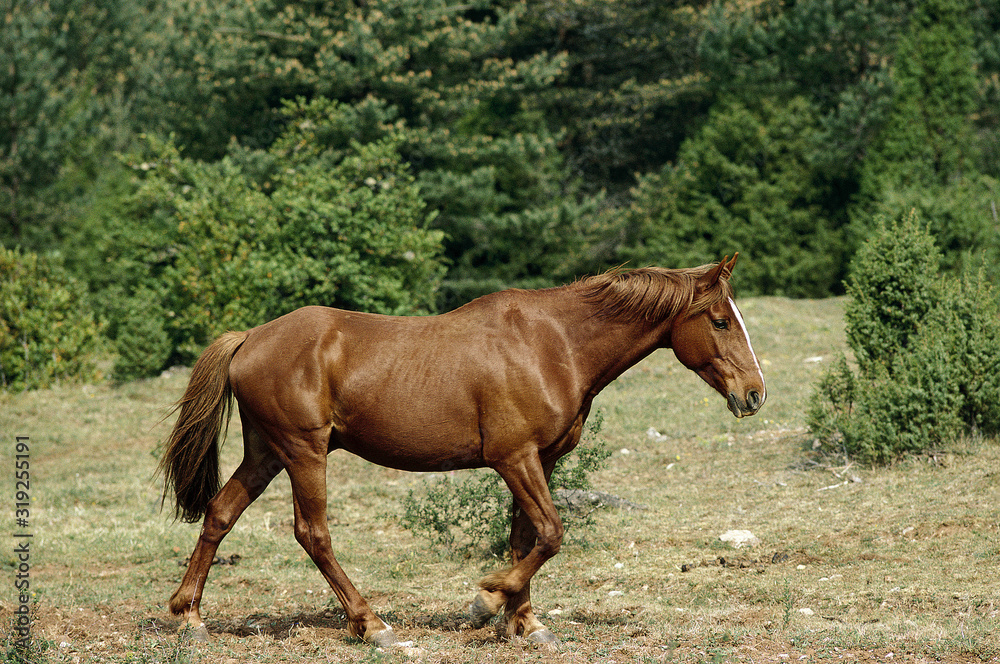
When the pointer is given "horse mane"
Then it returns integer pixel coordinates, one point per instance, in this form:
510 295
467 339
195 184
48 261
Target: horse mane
652 293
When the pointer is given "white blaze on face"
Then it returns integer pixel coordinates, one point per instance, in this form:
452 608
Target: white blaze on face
743 328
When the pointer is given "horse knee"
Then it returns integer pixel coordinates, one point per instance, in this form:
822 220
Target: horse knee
550 540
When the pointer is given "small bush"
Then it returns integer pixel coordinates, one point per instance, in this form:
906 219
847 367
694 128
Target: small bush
970 312
47 331
474 512
893 284
908 407
927 349
831 407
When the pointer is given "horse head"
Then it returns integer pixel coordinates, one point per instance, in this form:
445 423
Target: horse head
711 340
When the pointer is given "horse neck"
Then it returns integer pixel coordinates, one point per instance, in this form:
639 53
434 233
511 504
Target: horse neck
605 347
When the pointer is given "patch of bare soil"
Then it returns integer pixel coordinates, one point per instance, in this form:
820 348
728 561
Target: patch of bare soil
128 632
758 563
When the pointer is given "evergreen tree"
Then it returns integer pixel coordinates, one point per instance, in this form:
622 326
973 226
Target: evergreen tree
630 91
63 110
928 139
743 183
441 76
37 90
925 156
985 21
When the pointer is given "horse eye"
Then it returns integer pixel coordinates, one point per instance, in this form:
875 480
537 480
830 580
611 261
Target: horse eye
720 324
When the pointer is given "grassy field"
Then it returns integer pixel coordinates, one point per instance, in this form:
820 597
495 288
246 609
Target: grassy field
854 564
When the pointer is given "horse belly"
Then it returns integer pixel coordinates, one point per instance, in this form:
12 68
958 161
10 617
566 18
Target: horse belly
409 438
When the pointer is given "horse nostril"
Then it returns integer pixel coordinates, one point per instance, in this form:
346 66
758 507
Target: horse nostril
753 399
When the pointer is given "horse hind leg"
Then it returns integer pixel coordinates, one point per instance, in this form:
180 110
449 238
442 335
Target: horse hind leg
255 472
308 478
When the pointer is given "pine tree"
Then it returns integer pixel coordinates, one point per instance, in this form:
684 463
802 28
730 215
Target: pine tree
925 156
928 139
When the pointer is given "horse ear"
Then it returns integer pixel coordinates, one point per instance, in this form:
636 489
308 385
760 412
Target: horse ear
729 266
713 275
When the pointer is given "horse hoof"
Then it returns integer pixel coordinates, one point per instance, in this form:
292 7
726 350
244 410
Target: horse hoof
479 614
543 639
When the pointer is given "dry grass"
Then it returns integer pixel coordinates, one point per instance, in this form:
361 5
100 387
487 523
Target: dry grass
855 564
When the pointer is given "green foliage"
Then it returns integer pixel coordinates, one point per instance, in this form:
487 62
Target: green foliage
961 215
743 183
984 18
629 90
474 512
441 80
759 127
352 220
927 348
831 406
37 88
928 137
970 314
138 325
909 406
893 284
201 248
925 157
834 53
770 48
61 111
47 331
477 506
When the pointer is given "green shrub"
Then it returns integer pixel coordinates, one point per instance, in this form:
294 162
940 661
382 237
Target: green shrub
473 512
893 284
464 513
959 214
831 406
909 406
927 349
137 324
192 249
970 313
47 331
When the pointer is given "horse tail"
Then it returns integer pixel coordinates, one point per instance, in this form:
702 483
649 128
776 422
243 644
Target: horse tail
190 462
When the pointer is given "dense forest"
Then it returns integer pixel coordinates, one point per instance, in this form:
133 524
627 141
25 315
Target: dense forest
171 168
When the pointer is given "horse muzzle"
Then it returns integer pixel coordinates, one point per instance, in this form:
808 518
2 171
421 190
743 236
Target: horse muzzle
745 407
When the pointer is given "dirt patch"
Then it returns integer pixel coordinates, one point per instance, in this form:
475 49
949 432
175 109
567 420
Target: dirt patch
757 563
125 631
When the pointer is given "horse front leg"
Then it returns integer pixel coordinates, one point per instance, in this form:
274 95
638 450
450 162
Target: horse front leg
519 616
536 536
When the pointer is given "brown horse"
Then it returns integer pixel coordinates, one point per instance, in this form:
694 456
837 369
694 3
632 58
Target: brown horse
505 381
